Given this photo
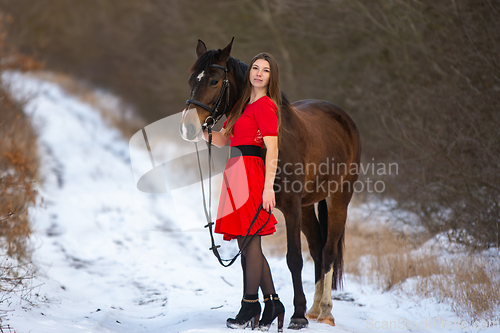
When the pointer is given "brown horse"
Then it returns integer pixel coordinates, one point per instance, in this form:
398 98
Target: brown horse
319 156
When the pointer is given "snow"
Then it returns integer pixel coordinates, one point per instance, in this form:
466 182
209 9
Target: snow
110 258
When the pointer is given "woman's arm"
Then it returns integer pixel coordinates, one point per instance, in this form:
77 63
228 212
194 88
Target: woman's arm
219 139
268 198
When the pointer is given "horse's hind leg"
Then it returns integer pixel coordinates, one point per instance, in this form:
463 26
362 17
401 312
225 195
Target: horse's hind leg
312 231
332 257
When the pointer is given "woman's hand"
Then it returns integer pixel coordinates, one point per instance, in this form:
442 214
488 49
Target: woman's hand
219 139
268 199
271 163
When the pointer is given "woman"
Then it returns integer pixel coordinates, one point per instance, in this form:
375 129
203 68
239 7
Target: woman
248 183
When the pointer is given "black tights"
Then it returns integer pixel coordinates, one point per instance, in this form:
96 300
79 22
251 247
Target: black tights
256 270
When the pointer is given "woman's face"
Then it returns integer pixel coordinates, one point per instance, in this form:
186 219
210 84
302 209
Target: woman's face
260 73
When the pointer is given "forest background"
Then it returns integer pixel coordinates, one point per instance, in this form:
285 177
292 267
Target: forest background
421 78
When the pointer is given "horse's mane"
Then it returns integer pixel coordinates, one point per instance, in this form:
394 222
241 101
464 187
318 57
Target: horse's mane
239 68
204 61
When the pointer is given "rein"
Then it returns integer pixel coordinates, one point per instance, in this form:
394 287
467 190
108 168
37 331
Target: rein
208 212
213 111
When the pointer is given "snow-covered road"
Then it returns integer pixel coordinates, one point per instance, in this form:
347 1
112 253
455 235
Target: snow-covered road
110 258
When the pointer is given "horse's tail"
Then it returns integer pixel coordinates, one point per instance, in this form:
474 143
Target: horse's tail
338 264
338 261
323 221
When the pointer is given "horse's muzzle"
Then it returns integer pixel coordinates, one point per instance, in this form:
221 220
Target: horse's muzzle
190 127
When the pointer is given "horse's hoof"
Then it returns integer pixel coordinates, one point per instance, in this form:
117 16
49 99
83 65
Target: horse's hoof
327 320
298 323
312 316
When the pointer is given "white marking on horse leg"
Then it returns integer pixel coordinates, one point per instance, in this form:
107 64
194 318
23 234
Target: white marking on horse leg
315 309
326 300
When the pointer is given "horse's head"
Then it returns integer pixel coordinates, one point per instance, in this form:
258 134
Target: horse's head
209 98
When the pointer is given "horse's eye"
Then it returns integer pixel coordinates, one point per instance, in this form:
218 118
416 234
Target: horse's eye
214 82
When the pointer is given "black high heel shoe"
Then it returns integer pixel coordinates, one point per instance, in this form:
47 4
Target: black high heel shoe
273 308
249 313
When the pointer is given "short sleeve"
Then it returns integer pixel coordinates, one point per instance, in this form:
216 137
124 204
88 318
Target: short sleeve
266 116
225 123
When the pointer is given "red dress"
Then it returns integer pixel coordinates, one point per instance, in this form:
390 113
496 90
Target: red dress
244 176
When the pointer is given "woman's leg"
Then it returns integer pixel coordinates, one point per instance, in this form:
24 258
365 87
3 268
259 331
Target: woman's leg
266 280
253 264
244 269
249 313
256 271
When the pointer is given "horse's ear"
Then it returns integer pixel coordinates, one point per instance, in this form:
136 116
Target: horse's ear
226 52
201 48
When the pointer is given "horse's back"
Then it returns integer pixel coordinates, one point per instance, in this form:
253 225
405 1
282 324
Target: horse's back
334 112
319 113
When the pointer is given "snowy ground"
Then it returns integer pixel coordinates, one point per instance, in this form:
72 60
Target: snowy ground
110 258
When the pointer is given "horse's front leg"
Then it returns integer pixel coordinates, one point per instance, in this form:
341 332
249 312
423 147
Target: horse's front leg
293 217
312 230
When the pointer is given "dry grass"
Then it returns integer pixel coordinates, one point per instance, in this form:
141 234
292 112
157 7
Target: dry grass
15 279
18 174
18 155
412 264
469 284
386 253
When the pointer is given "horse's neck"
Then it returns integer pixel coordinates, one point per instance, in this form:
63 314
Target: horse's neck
239 90
239 69
240 85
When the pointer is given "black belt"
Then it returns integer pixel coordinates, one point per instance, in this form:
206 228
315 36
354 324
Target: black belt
245 150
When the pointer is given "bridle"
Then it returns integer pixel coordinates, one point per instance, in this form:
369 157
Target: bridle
214 112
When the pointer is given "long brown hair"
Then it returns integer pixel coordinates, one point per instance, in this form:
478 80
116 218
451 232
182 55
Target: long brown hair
273 91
